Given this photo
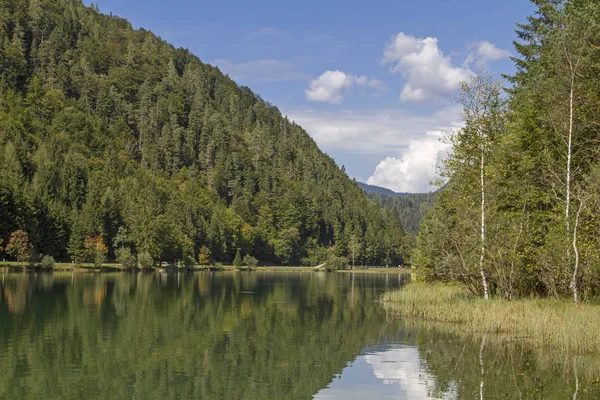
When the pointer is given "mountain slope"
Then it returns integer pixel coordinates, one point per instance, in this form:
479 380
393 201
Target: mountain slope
410 207
372 189
108 131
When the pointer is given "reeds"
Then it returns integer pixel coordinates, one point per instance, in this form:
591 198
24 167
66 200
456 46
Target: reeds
545 323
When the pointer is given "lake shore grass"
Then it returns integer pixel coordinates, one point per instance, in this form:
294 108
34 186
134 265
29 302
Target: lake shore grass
544 323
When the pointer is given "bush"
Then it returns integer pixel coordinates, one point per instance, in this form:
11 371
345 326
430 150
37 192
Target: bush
96 250
335 263
219 266
204 256
146 261
250 262
47 262
126 258
188 261
237 261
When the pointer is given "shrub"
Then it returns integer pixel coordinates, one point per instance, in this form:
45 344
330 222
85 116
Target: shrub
204 256
96 250
146 261
237 261
188 261
47 262
126 258
335 263
250 262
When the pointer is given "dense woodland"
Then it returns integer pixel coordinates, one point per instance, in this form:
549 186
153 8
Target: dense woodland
519 215
410 207
116 144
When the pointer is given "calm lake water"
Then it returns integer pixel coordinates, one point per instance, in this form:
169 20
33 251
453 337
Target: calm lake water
253 336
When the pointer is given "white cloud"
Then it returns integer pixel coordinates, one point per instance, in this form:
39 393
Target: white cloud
407 144
484 52
428 73
261 70
489 52
413 171
330 86
381 132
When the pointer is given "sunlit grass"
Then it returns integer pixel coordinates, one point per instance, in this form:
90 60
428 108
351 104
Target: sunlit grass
547 323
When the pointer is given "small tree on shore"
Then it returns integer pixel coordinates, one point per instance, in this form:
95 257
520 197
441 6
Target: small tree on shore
47 262
204 256
145 259
96 250
250 262
335 263
18 245
237 261
354 247
126 258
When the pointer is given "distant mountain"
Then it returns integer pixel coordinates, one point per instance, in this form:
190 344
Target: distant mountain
372 189
410 207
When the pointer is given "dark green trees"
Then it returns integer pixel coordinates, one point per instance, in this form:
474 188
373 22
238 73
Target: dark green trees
103 128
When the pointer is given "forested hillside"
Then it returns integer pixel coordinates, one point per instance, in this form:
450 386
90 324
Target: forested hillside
372 189
410 207
520 213
113 139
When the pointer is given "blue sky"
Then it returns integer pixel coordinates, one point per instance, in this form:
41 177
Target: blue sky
373 83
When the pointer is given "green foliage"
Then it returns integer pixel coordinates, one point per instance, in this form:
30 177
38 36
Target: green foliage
237 261
316 256
541 171
335 263
409 207
145 260
126 258
109 131
47 262
250 262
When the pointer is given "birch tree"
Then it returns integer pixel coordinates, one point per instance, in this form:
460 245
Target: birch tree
568 69
483 116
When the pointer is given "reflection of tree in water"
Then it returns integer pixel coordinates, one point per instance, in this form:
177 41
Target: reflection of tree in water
511 369
15 293
225 335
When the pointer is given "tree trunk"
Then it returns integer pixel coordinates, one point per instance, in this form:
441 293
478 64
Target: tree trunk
482 257
569 156
576 251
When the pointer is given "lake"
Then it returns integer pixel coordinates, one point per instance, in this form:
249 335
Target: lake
258 335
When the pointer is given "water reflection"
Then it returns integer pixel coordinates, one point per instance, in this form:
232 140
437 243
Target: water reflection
385 372
254 335
205 335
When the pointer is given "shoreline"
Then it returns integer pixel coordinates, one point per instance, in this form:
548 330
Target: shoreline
14 267
544 323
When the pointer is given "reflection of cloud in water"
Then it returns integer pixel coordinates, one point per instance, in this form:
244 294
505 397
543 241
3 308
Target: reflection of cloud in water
394 372
401 366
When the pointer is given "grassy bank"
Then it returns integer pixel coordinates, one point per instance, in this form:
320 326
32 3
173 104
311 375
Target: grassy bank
545 323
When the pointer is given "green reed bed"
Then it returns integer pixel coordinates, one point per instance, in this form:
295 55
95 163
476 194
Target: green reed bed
549 323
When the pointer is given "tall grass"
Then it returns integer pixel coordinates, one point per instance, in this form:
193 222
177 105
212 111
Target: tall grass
545 323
